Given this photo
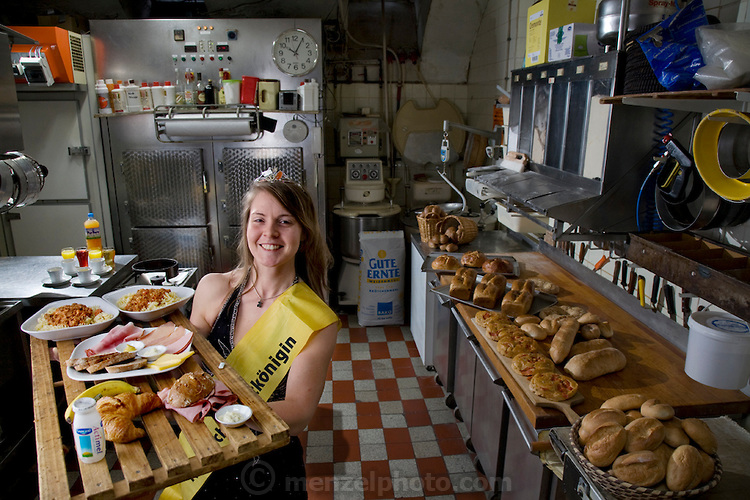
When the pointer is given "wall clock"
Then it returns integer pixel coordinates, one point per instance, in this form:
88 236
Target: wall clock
295 52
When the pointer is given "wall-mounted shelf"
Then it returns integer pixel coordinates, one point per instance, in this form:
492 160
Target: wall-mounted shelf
701 101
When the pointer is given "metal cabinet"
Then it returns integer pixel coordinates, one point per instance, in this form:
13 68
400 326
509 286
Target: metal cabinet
464 374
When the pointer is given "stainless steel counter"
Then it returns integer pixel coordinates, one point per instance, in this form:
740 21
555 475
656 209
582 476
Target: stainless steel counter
486 241
22 278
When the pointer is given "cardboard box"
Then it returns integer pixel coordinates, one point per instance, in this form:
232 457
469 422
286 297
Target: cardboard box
573 40
550 14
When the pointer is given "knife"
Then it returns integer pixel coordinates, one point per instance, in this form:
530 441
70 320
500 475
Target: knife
655 292
632 281
669 293
624 278
582 252
686 309
616 272
660 303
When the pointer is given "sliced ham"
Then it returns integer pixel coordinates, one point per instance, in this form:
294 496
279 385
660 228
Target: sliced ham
181 343
114 337
157 336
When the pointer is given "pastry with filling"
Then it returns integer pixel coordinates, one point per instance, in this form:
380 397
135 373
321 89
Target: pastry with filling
529 364
553 386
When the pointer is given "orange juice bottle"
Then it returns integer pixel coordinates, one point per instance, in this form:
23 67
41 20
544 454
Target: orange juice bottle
93 235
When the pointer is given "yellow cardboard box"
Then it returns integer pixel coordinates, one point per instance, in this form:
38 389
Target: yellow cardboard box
550 14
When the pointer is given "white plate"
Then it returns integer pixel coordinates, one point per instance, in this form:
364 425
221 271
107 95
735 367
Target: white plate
46 282
185 294
77 282
106 270
84 376
75 332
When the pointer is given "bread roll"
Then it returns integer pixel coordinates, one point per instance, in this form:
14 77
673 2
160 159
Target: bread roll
605 444
527 318
189 389
625 402
633 415
445 262
684 468
534 331
497 266
473 259
707 467
646 433
595 363
701 433
589 345
596 418
589 318
664 451
545 286
641 468
674 435
590 331
606 330
656 409
549 325
563 340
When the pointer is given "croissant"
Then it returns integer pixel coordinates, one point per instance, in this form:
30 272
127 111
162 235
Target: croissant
118 411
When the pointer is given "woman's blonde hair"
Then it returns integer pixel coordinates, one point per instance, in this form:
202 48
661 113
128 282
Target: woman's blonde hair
313 259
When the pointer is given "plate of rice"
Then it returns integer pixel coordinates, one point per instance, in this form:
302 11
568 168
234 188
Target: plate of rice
147 303
71 319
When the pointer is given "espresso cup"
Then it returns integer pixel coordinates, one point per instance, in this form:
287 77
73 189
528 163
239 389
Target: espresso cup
55 274
69 266
84 275
97 265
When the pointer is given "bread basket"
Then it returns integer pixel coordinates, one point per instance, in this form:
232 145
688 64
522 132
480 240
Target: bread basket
468 229
428 226
623 489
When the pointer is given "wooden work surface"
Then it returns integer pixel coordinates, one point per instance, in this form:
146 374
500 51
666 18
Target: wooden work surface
175 466
655 367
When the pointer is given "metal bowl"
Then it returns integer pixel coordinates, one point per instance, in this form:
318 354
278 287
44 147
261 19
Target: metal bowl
167 266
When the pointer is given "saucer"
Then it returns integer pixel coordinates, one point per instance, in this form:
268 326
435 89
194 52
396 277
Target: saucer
53 284
77 282
106 270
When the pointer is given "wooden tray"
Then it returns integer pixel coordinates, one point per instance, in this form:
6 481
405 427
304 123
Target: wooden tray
541 300
427 264
566 407
175 466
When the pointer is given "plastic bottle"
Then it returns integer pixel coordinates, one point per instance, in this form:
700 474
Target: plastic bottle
110 84
308 92
157 95
102 97
88 431
133 95
189 88
93 234
179 88
170 93
119 99
147 102
200 90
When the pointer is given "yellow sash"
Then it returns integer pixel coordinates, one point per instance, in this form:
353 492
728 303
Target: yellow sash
263 358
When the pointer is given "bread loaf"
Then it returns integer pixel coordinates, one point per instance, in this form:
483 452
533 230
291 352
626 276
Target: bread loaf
646 433
563 339
445 262
641 468
625 402
189 389
462 283
701 433
497 266
605 444
473 259
488 292
519 299
594 364
589 345
684 468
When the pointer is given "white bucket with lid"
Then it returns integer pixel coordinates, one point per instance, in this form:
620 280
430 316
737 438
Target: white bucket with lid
718 350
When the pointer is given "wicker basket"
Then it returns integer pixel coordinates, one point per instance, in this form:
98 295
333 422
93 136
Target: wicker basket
623 489
428 227
469 227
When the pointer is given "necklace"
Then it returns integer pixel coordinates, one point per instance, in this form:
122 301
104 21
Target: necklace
261 299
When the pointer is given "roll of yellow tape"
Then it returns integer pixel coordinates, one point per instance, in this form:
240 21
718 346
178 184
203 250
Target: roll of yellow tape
706 155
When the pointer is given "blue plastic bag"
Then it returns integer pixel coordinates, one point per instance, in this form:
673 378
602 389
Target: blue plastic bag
672 50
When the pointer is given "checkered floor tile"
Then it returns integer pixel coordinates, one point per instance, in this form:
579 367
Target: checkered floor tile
382 429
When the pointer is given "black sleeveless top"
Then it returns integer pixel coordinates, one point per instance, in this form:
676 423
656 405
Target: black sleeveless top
221 336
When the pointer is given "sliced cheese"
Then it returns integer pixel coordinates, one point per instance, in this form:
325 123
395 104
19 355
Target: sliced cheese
167 361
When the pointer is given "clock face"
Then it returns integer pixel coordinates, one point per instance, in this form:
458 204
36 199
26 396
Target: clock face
295 52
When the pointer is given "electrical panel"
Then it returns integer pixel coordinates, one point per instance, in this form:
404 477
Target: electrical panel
360 137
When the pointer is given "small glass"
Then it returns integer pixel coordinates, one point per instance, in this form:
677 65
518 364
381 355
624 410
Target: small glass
82 254
95 253
109 256
68 253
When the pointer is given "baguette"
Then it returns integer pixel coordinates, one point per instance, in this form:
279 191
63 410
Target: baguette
590 345
563 340
595 363
625 402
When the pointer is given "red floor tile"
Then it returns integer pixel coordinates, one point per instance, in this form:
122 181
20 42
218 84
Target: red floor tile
369 422
446 431
342 352
411 347
431 465
452 446
319 469
357 334
393 333
414 406
362 369
432 392
397 435
346 453
322 419
418 419
346 437
368 408
397 451
343 391
386 384
376 479
379 350
319 481
389 395
402 367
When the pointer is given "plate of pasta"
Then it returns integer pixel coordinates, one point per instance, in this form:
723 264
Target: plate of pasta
71 319
147 303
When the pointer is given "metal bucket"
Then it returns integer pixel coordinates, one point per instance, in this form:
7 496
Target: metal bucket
642 13
348 227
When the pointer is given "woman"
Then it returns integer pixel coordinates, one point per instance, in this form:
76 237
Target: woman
271 307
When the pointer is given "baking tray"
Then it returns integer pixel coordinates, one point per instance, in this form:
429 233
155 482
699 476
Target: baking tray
427 264
541 299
